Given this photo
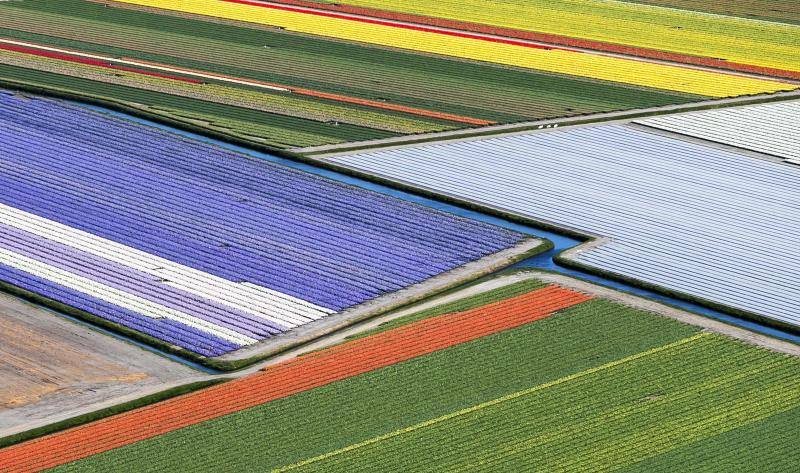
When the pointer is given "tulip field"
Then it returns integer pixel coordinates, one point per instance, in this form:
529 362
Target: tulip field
399 236
547 59
650 28
422 394
199 247
315 90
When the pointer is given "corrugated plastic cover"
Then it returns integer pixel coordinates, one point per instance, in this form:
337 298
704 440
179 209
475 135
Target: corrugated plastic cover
696 219
772 128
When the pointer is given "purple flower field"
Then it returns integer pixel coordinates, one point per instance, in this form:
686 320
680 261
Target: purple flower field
196 245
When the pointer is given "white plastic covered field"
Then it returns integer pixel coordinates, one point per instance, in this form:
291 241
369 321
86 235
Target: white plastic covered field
703 221
772 128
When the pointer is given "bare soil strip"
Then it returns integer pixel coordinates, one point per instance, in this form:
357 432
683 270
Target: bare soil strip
53 368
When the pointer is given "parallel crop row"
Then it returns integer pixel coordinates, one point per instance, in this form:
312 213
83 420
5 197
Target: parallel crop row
596 386
304 373
740 41
314 62
769 128
178 235
538 58
283 103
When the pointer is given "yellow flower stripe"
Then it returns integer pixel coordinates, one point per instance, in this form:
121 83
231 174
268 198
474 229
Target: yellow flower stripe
628 71
740 40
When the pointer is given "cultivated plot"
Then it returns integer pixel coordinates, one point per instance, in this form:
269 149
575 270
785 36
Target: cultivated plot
275 87
638 28
196 246
53 367
711 224
545 58
526 376
772 128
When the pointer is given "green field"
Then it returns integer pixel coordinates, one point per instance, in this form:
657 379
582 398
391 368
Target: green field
597 386
463 88
272 129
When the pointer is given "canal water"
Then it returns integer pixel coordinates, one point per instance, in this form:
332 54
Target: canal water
542 261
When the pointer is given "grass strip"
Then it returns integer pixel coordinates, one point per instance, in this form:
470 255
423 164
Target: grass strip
460 305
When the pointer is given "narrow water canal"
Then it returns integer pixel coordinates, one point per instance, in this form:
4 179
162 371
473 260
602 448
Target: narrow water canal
542 261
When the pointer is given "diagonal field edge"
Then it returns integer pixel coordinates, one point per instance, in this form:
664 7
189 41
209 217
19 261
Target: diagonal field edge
307 372
492 402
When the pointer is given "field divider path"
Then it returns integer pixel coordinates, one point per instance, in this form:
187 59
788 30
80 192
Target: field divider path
291 377
322 152
196 77
493 402
517 37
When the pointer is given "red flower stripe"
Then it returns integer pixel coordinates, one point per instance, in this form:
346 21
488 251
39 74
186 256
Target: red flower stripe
541 37
92 62
288 378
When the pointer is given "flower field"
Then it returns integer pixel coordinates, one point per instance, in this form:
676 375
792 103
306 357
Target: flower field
770 128
196 246
786 11
433 385
316 90
399 236
553 60
710 224
636 28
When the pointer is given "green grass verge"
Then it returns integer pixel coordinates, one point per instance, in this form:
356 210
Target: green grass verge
107 412
596 385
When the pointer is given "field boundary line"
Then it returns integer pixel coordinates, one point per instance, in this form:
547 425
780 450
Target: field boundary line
322 152
494 402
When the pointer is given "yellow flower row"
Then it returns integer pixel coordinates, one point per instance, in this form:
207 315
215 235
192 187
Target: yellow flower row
739 40
628 71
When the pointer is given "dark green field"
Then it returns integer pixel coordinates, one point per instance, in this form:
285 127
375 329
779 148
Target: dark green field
473 90
598 386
